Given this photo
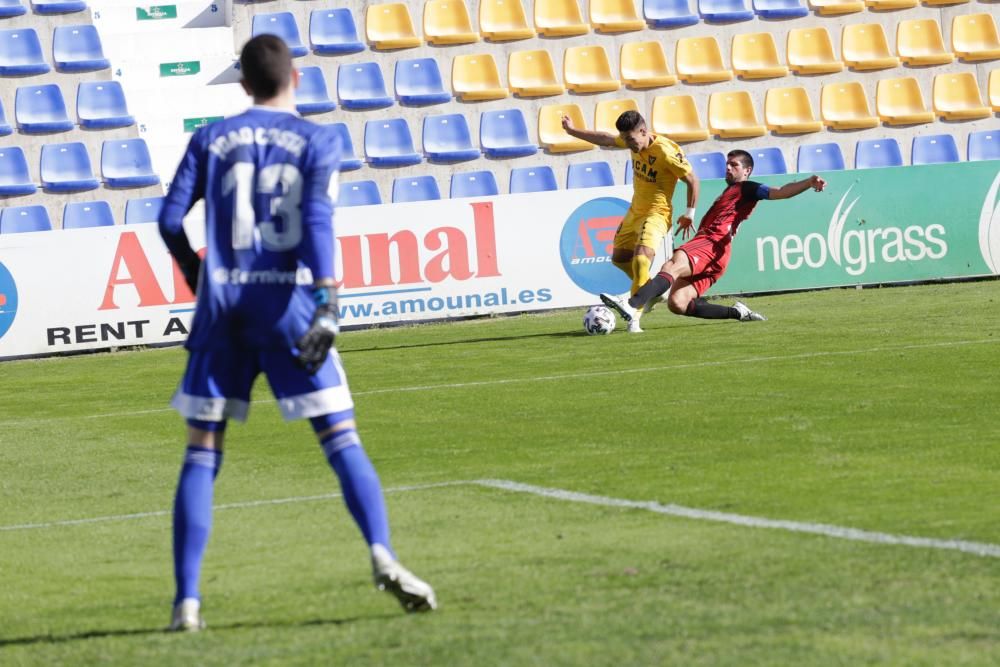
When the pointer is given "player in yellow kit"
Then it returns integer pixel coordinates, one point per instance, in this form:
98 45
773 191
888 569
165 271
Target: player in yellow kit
657 164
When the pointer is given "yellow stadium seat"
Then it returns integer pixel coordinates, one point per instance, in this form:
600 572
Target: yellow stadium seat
475 78
389 26
755 56
551 134
699 60
677 117
865 47
731 115
974 37
503 20
586 69
844 106
448 22
559 18
532 74
834 7
899 102
956 97
644 65
788 111
810 51
886 5
615 16
942 3
995 89
919 42
607 113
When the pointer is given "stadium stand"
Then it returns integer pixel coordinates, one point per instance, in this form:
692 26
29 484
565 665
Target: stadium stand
644 65
101 105
768 161
984 145
333 32
589 175
788 111
780 9
21 53
708 165
41 109
447 22
559 18
956 97
874 153
418 82
80 215
473 184
732 115
11 8
19 219
362 86
349 160
699 60
668 13
358 193
126 163
142 210
389 143
934 149
67 168
724 11
677 117
865 47
45 7
919 42
899 102
532 179
283 25
974 37
415 188
614 16
755 56
312 95
503 21
504 134
15 178
390 26
78 48
820 157
607 112
844 106
994 90
532 74
476 78
810 51
587 69
551 134
837 7
447 138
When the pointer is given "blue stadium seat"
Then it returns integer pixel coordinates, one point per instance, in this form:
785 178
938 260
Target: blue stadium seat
820 157
447 138
873 153
77 48
589 175
418 82
100 105
17 219
57 6
934 149
629 173
668 13
708 165
984 145
388 143
81 214
126 163
9 8
415 188
532 179
312 96
21 53
504 133
333 31
349 159
768 161
724 11
283 25
780 9
15 178
5 127
474 184
41 109
362 86
359 193
67 168
143 210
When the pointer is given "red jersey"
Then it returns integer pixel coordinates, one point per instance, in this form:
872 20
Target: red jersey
732 207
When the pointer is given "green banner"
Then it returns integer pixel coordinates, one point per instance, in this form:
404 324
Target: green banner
155 12
187 68
192 124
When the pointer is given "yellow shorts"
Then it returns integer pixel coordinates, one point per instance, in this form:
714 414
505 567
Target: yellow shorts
645 231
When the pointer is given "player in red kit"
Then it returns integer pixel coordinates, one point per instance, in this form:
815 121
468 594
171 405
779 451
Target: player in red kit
699 263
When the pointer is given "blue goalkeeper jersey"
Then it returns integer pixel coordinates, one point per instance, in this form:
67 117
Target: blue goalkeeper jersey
269 181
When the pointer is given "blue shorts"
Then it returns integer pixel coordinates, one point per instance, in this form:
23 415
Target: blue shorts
217 382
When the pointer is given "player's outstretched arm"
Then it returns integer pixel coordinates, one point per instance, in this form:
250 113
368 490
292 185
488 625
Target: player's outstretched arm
597 138
794 188
685 222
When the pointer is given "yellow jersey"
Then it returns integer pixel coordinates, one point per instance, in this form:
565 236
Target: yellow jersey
655 172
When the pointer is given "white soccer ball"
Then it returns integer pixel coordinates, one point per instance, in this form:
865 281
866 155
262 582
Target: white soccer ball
599 321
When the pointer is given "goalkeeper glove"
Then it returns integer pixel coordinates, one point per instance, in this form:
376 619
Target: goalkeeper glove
315 344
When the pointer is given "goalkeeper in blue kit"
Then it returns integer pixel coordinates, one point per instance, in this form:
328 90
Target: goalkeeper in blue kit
266 303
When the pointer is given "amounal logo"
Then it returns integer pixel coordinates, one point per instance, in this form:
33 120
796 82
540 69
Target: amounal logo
585 245
8 300
989 227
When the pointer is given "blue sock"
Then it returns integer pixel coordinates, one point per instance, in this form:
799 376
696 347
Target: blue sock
360 485
193 517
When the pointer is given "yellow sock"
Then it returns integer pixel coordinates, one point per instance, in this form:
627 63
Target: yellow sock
626 268
640 271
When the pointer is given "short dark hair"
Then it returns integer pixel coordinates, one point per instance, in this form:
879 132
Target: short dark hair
629 120
745 158
266 64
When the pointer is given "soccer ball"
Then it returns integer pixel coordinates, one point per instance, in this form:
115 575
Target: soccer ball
599 321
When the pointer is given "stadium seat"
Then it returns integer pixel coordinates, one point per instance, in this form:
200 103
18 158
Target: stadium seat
388 143
5 128
504 133
724 11
82 214
668 13
820 157
475 78
586 69
559 18
644 65
844 106
956 97
415 188
532 179
865 47
810 51
984 145
419 83
677 117
503 21
629 173
780 9
532 74
45 7
611 16
447 22
284 26
390 26
362 86
358 193
143 210
944 3
41 109
732 115
919 42
21 53
835 7
994 89
699 60
934 149
473 184
889 5
708 165
606 113
589 175
349 161
15 178
100 105
974 37
19 219
788 111
876 153
66 168
77 48
312 95
755 56
126 163
10 8
768 161
447 138
551 134
333 31
899 102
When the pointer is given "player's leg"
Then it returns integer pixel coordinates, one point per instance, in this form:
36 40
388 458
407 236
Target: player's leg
623 246
653 289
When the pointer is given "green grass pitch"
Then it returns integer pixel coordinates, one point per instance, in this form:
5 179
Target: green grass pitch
873 409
